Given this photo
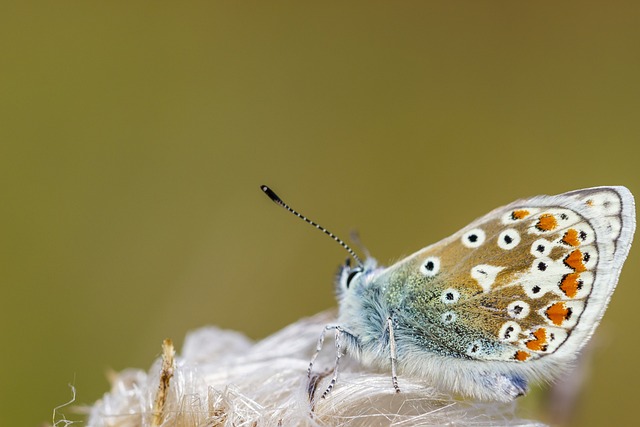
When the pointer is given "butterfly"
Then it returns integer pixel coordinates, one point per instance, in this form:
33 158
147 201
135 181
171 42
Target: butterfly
508 300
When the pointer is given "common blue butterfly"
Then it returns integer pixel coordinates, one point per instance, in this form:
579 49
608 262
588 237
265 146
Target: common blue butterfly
509 299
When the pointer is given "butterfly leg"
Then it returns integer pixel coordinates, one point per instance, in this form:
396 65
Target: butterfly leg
394 355
319 347
334 378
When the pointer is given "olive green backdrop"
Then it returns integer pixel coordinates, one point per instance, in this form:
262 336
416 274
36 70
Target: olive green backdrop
134 137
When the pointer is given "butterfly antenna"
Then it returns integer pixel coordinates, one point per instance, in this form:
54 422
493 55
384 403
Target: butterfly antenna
273 196
354 236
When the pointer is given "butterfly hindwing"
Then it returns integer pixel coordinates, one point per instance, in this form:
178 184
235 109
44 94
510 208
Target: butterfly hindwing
526 281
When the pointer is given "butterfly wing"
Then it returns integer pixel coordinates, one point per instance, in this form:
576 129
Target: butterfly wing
526 284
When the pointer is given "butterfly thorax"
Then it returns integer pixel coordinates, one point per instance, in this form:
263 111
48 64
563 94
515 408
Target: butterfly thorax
362 311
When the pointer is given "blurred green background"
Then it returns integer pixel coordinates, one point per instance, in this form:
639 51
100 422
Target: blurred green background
134 137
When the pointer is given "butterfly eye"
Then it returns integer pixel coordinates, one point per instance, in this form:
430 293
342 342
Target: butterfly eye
430 266
351 276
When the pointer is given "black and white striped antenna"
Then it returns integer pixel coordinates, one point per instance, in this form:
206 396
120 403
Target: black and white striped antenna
273 196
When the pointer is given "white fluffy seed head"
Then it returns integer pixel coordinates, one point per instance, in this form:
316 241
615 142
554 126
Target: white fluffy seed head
221 377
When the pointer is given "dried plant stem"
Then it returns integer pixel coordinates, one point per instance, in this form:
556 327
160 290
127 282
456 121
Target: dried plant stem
168 355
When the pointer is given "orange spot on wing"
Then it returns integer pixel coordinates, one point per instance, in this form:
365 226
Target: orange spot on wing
558 313
571 284
519 214
539 340
521 355
589 202
574 261
571 237
546 222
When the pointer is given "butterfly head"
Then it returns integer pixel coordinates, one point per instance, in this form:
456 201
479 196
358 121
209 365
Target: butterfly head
350 279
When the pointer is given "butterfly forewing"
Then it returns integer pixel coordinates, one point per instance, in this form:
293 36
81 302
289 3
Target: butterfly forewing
526 281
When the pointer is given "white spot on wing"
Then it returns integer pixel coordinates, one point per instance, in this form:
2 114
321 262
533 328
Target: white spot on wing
510 331
473 238
508 239
485 275
474 349
518 309
541 248
430 266
448 317
544 268
449 296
